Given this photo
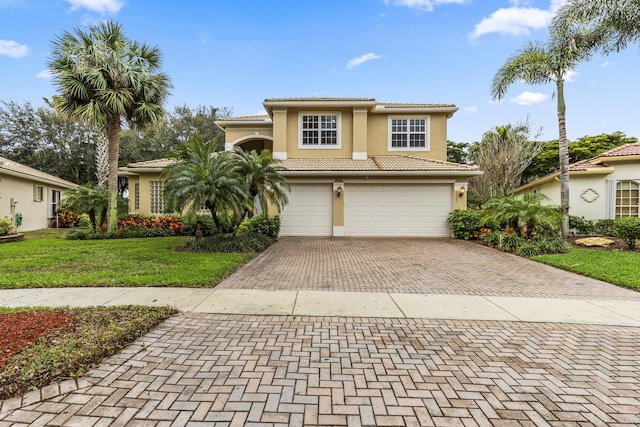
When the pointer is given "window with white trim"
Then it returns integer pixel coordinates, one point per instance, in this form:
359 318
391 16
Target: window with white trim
54 199
38 193
408 133
319 130
157 197
627 198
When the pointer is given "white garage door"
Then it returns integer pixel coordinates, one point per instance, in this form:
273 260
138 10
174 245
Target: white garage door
397 209
309 211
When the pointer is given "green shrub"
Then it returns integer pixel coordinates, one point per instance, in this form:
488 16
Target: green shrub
549 245
604 227
492 239
123 233
206 221
228 223
250 242
5 226
628 229
465 224
583 227
510 242
527 250
84 221
269 226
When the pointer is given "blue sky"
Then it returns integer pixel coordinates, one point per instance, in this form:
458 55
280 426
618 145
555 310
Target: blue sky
236 53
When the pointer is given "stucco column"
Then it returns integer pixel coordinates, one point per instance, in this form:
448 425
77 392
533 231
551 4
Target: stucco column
280 133
359 134
338 209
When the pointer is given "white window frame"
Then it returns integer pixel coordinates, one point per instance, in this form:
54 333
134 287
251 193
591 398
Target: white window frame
624 204
54 202
136 196
319 146
38 193
427 131
156 197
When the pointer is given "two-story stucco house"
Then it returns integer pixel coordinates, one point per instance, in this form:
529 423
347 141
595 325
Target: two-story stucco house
357 167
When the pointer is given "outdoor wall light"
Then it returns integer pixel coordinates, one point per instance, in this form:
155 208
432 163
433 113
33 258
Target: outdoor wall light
339 191
460 191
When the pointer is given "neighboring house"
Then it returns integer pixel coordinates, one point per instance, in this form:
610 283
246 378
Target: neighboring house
356 167
32 194
604 187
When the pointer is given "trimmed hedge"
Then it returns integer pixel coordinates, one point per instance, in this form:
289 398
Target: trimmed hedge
249 242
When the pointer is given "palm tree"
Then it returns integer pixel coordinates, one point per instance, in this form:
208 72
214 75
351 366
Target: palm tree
618 21
538 63
203 178
526 216
104 79
262 179
87 199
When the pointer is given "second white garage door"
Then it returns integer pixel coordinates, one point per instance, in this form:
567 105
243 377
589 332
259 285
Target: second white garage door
397 209
309 211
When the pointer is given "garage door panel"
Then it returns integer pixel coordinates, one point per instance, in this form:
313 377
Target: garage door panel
397 209
309 211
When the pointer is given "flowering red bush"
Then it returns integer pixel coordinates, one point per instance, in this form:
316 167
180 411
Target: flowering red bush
67 220
155 222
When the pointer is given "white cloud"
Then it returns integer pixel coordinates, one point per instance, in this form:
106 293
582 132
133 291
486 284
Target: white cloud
529 98
516 20
606 64
471 109
44 74
13 49
424 5
361 60
569 75
102 6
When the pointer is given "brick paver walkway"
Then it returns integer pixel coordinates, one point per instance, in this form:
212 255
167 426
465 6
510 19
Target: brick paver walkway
234 370
220 370
425 266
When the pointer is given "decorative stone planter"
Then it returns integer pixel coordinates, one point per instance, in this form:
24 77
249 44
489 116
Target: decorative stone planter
7 238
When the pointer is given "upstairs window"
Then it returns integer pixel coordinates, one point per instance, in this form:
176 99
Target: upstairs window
319 130
408 133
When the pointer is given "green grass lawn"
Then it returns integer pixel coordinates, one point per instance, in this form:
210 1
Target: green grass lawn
620 268
46 260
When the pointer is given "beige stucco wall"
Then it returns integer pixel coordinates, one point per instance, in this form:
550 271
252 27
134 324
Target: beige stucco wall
595 186
144 179
35 215
360 131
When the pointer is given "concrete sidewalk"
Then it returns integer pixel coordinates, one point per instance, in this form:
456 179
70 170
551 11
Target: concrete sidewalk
341 304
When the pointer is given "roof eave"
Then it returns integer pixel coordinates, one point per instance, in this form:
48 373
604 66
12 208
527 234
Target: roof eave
381 108
555 175
371 173
62 183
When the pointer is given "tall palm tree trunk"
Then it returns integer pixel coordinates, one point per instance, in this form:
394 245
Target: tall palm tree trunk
564 159
113 133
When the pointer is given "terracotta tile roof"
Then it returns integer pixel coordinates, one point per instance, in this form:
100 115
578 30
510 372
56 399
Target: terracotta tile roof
374 164
156 163
584 165
390 105
261 117
595 162
623 150
15 168
320 99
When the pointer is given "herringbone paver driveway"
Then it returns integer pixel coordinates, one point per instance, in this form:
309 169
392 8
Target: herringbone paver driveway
233 370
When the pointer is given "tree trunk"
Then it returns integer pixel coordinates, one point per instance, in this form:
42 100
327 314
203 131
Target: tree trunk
564 159
113 134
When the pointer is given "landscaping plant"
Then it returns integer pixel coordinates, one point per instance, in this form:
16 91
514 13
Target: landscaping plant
628 229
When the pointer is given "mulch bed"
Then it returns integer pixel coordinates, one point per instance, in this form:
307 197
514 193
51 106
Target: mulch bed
19 330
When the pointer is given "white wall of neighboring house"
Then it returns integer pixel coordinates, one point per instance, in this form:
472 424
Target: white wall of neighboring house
35 214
